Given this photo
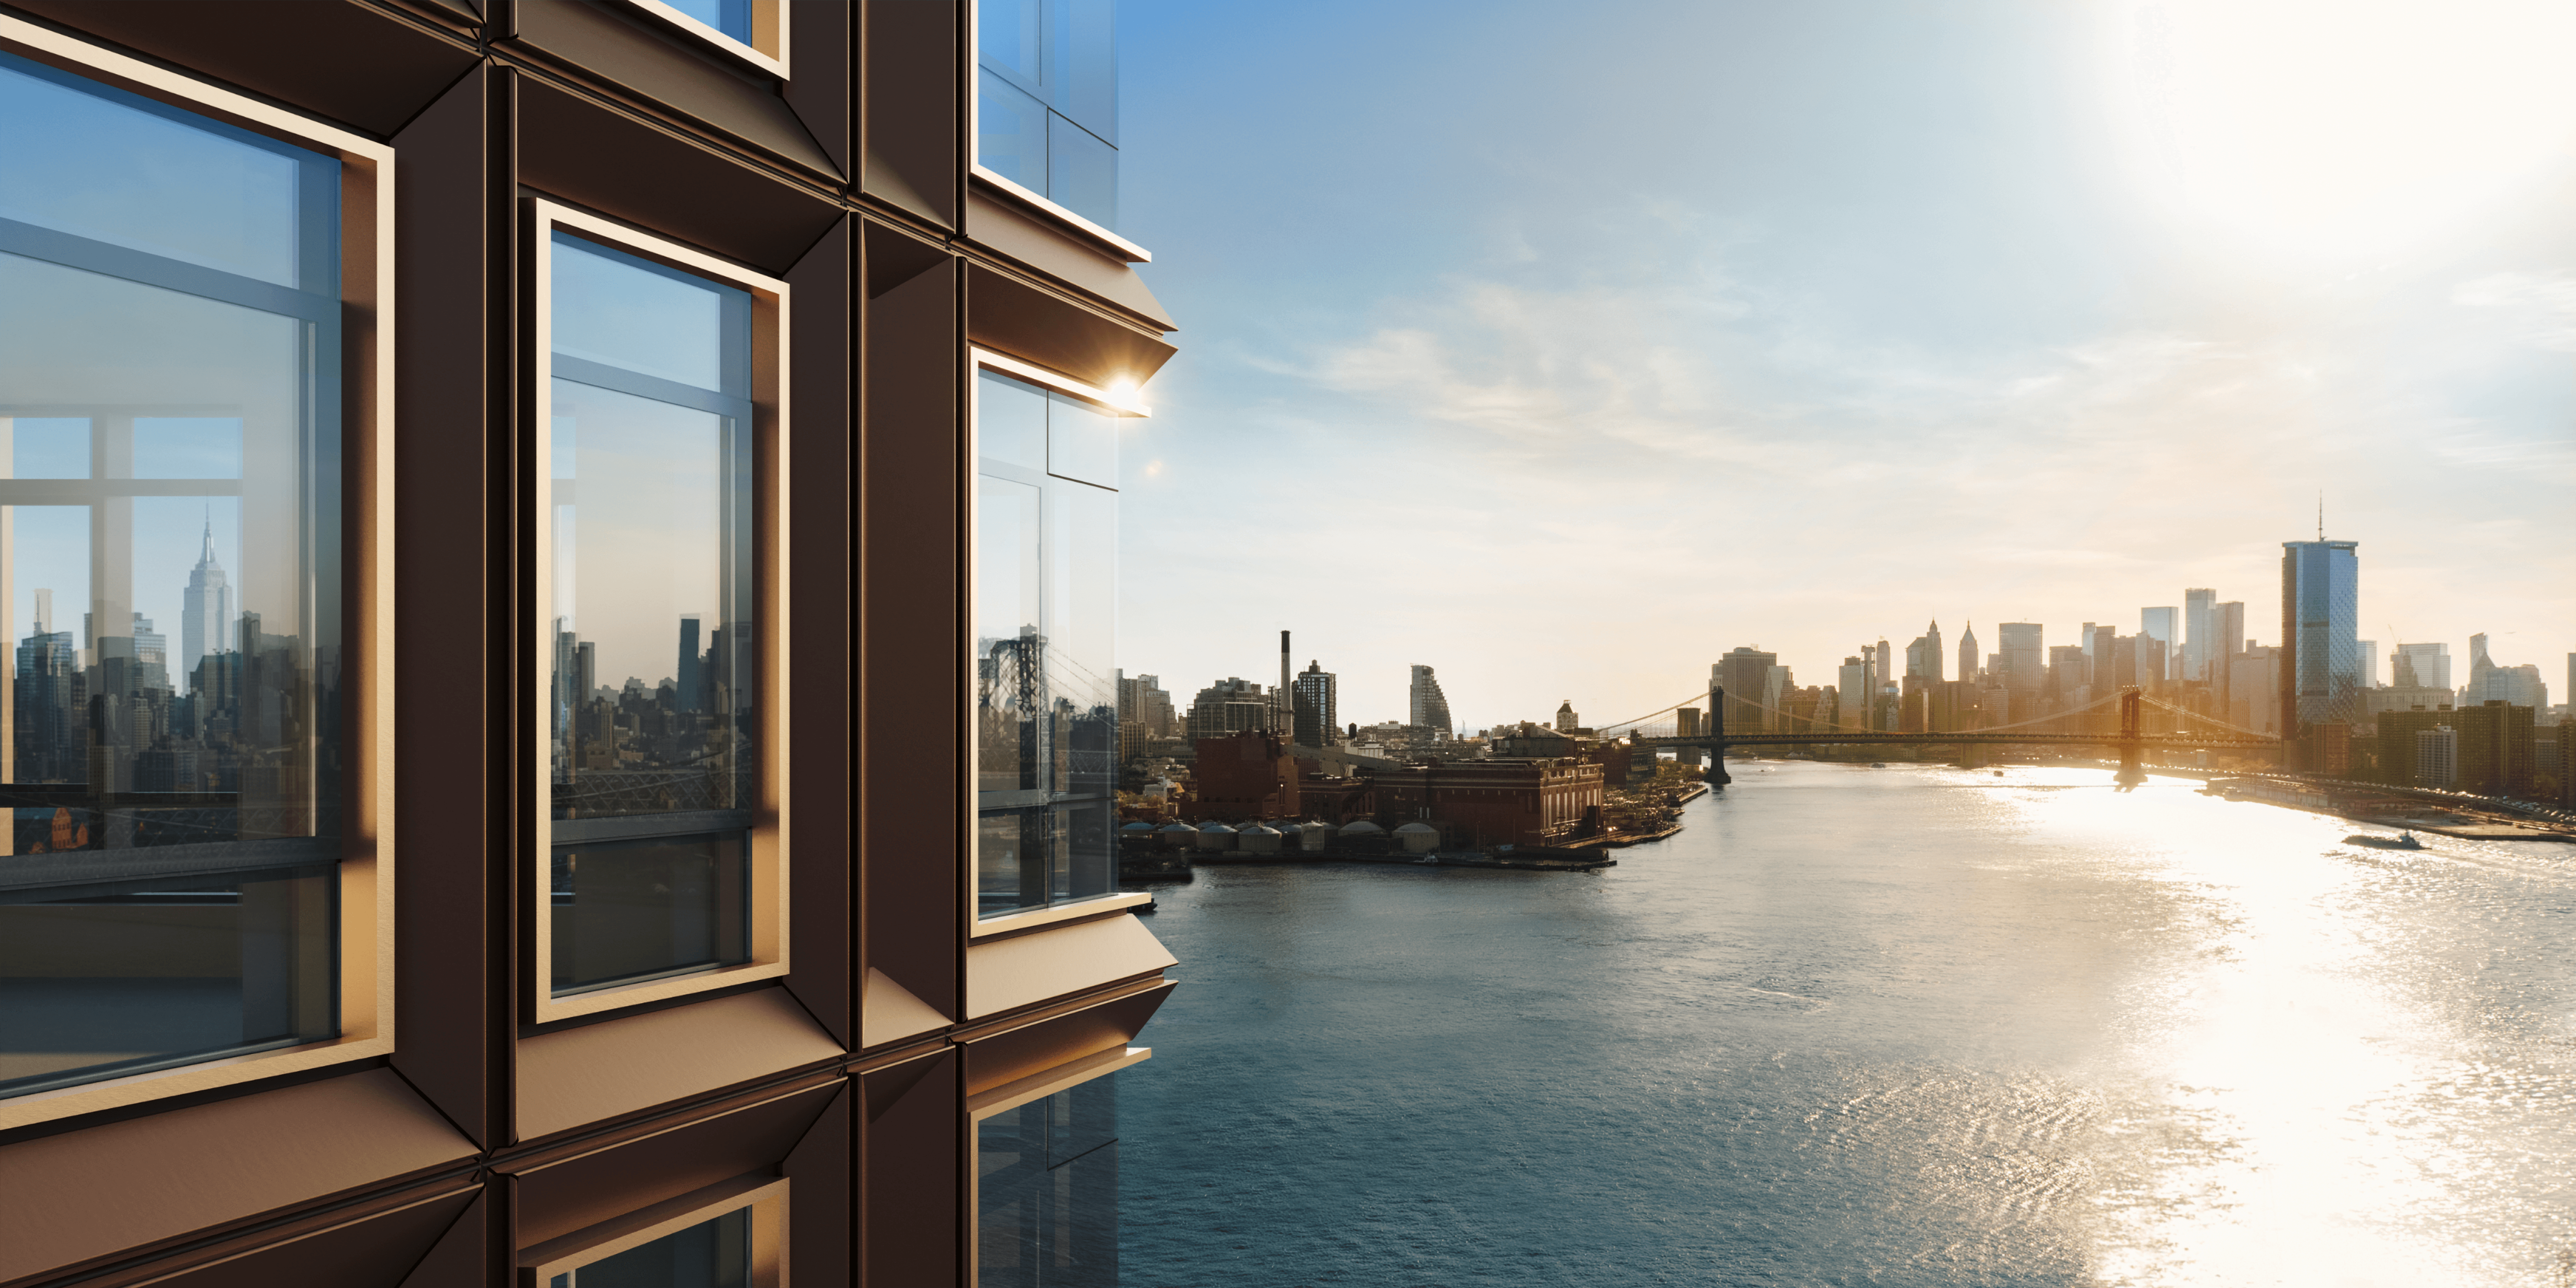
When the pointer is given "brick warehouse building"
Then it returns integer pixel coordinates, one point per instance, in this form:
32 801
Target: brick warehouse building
558 498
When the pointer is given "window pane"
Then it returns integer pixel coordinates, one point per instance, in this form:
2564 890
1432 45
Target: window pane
714 1254
1046 1191
1007 33
639 316
1082 441
1010 649
115 978
1082 635
1010 420
732 17
653 711
169 754
626 910
102 165
1010 133
1082 172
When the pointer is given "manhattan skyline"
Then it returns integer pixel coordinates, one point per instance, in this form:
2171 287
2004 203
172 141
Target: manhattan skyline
1811 326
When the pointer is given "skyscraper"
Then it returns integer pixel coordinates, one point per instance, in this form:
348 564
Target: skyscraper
205 607
2426 666
2320 664
2025 660
2369 664
1745 673
1923 656
1968 653
1428 708
2200 628
1318 713
2162 623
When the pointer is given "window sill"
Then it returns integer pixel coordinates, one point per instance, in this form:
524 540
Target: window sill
161 1084
1115 246
1036 917
549 1008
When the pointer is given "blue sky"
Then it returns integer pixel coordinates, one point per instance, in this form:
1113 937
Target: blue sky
1565 348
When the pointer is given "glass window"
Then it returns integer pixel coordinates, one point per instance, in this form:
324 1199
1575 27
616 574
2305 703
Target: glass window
1047 100
170 509
1046 634
710 1254
654 722
1046 1191
732 17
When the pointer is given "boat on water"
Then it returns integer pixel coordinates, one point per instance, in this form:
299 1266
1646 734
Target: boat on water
2401 841
1878 764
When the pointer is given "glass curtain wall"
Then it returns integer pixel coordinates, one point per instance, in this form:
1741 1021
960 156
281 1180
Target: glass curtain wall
1045 621
1046 1191
654 676
170 370
1047 100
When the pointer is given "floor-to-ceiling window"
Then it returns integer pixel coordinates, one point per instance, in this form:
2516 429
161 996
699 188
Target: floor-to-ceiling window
170 585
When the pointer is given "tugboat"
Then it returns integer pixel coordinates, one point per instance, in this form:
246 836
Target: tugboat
2402 841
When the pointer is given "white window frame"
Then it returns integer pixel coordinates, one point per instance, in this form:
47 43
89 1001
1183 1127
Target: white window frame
1120 402
366 865
768 28
767 903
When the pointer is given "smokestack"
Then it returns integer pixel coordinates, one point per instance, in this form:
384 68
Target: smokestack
1287 704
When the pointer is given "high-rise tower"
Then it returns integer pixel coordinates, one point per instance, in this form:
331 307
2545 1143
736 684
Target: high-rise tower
2320 616
205 608
1429 708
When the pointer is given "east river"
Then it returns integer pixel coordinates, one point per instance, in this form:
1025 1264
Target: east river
1905 1026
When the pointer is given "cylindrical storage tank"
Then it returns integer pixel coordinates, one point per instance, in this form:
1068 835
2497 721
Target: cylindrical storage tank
1179 836
1216 836
1316 837
1363 837
1260 839
1418 837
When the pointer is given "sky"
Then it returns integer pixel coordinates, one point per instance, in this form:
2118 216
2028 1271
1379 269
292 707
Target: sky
1565 348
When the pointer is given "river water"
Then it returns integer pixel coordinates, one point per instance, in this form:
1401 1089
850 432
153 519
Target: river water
1888 1027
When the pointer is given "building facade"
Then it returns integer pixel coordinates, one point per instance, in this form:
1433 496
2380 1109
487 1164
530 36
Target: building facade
2320 652
618 468
1426 707
1318 707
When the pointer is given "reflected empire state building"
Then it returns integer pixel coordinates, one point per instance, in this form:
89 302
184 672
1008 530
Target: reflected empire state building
218 753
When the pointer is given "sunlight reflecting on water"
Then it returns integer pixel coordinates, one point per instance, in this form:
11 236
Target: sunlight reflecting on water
1908 1026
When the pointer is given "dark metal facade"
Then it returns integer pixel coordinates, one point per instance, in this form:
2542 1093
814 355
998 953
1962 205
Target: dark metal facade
484 1143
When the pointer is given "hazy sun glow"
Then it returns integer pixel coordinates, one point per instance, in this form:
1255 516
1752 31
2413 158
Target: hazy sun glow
2343 128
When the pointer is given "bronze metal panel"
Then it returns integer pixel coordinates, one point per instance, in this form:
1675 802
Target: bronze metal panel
819 1225
1008 230
441 525
639 172
562 1195
819 92
912 648
373 1251
1010 315
466 1256
345 61
910 1194
640 55
895 257
596 1072
819 757
1017 1053
126 1186
1053 963
908 112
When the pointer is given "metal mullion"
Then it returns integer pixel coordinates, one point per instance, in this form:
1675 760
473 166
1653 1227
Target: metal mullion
70 250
